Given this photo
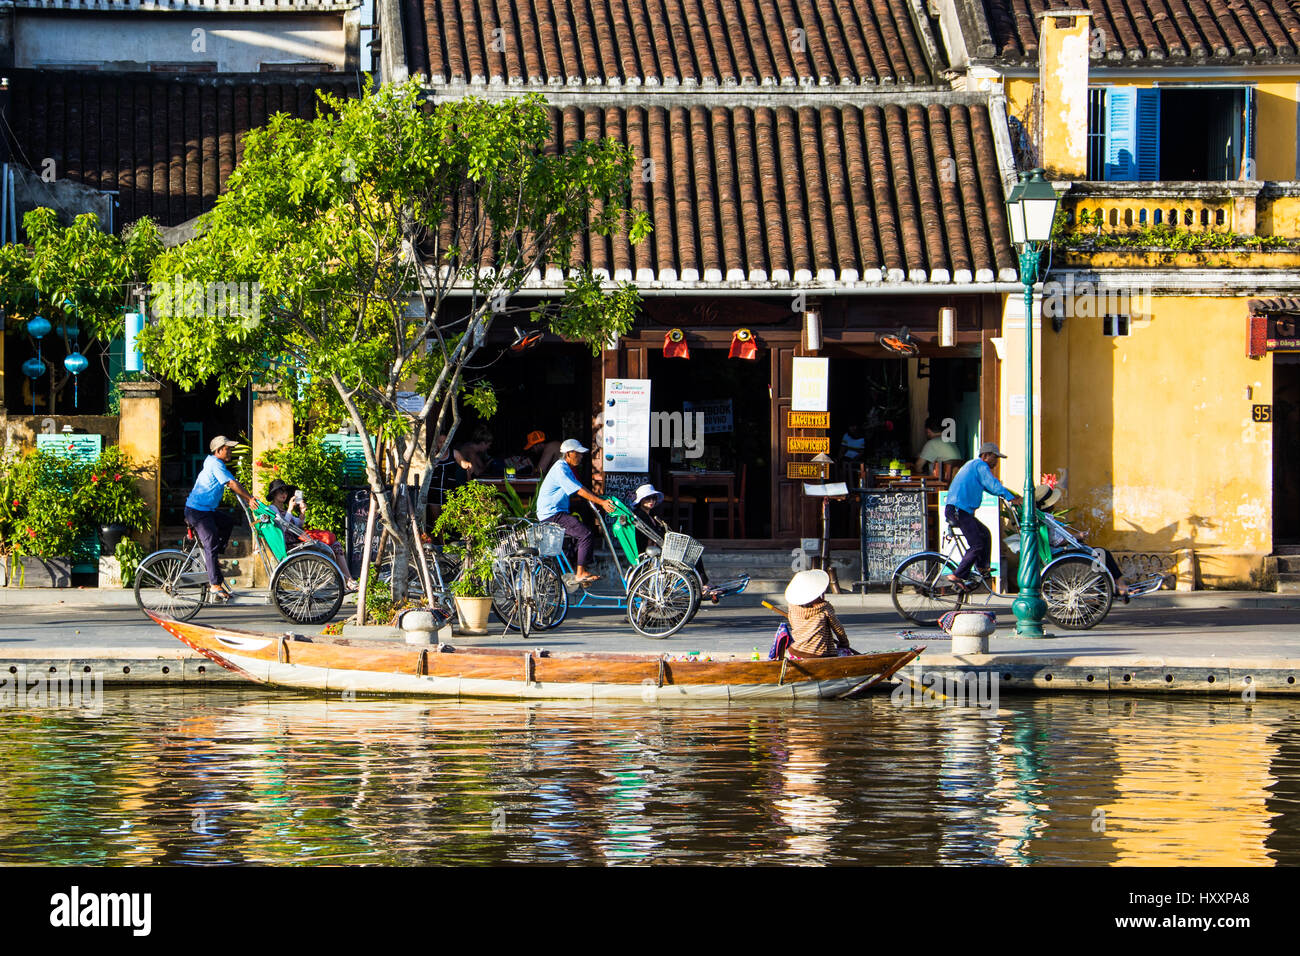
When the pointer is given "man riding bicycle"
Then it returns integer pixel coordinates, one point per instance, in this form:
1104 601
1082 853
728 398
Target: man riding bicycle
553 504
202 513
964 497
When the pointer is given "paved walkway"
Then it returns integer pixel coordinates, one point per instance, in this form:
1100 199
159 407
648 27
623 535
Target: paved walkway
1190 636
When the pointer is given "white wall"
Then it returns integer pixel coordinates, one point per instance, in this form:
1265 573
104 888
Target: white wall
234 44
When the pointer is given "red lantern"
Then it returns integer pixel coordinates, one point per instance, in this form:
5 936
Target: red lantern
743 345
675 345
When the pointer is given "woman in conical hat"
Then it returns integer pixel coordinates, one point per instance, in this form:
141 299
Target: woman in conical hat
815 630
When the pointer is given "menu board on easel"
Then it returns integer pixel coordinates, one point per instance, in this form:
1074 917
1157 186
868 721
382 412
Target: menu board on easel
893 528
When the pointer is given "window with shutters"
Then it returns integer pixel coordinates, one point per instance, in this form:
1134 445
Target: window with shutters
1204 134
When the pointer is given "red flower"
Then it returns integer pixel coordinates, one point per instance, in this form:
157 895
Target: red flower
117 477
31 532
68 523
94 479
15 502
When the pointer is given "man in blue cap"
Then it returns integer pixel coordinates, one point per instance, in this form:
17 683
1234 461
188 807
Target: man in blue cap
553 504
964 497
212 526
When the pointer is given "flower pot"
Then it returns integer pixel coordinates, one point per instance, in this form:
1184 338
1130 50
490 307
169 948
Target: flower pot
33 572
110 535
473 613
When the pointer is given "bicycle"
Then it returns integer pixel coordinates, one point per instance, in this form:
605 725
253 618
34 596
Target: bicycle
306 582
521 578
1075 584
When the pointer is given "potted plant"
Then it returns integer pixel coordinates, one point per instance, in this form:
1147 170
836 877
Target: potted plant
473 513
111 499
42 518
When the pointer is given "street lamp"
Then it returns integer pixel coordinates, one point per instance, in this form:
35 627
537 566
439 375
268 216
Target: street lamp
1031 211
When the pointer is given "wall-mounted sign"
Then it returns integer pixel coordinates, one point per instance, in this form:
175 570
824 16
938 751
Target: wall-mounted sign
803 469
808 446
1272 333
808 419
625 444
717 415
811 384
1261 413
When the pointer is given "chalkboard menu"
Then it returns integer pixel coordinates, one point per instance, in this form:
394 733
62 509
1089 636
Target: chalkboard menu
623 484
893 527
358 505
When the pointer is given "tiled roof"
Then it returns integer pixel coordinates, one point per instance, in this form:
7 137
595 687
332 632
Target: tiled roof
166 144
669 42
1167 31
842 194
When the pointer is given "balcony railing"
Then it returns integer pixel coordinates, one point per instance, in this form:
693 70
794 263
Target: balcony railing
1229 208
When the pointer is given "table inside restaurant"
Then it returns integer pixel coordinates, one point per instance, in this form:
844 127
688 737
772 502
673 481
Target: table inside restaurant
705 479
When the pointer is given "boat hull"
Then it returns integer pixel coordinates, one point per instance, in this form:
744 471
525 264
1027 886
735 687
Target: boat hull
338 666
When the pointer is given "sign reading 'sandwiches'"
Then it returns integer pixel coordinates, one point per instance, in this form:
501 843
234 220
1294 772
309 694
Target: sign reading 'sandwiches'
808 446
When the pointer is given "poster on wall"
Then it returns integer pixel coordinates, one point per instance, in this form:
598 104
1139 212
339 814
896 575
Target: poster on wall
811 384
717 415
626 435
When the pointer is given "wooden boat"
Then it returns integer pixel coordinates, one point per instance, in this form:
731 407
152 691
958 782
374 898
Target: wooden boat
336 664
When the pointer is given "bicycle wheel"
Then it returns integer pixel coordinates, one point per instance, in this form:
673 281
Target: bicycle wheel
307 588
552 598
917 592
1078 595
660 602
521 574
161 588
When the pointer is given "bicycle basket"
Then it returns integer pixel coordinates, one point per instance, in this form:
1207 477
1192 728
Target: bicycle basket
681 549
511 542
547 538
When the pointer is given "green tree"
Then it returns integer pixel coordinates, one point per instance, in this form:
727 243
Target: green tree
385 237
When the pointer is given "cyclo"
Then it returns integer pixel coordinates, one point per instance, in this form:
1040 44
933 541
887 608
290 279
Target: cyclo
661 588
306 582
1075 583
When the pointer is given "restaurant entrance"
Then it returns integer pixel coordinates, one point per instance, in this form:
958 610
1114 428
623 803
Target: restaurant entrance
736 452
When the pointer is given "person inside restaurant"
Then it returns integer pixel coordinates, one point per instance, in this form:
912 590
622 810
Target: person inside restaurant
473 454
936 452
543 453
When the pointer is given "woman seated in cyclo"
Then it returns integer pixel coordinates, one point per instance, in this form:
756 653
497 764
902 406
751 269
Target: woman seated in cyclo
646 502
1047 498
815 631
284 498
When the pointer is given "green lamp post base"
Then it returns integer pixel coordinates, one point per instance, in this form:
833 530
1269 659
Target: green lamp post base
1029 610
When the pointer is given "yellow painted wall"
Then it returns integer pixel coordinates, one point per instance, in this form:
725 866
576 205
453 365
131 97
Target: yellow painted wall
1154 434
1063 73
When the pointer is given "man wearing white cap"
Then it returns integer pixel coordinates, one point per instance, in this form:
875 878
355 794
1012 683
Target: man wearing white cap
201 510
553 504
964 496
815 631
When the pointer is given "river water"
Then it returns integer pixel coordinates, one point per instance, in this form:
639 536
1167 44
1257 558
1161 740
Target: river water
228 776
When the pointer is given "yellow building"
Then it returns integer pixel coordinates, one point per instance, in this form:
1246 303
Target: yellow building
1172 142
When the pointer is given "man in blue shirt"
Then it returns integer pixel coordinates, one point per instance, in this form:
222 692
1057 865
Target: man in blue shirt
553 504
964 496
212 526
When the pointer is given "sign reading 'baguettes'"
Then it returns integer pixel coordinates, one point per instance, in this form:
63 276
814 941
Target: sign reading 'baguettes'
808 419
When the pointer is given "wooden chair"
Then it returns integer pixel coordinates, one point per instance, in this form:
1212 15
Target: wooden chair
675 507
720 506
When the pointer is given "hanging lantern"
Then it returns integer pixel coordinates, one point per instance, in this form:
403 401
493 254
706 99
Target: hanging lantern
675 345
38 327
132 362
34 367
76 364
947 327
743 345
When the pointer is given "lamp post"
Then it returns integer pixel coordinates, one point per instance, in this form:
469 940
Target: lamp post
1031 211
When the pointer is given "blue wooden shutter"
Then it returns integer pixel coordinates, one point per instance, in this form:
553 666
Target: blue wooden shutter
1252 171
354 465
1121 134
1148 134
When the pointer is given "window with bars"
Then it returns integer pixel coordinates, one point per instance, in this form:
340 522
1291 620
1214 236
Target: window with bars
1097 134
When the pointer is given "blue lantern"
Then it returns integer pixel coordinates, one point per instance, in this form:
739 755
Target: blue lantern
76 364
33 367
38 327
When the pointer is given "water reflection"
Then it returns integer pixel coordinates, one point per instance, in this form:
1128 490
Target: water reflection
231 777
